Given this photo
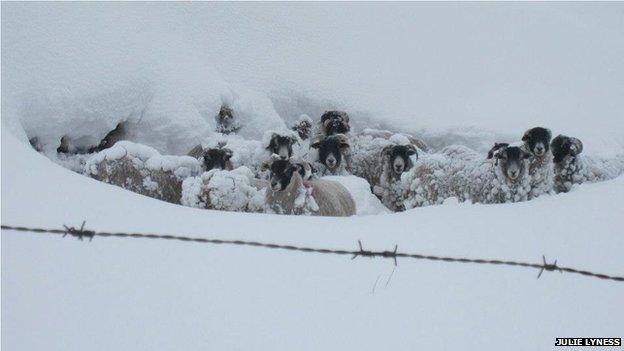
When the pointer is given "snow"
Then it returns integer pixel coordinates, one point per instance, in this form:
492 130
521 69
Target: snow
468 74
63 294
365 202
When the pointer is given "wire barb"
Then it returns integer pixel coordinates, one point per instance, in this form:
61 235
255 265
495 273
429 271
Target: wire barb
548 267
78 233
81 233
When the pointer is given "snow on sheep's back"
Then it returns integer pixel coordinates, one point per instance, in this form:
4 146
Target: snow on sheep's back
117 294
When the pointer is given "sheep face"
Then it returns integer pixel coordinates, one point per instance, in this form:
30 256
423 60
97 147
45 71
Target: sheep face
218 159
537 140
335 122
563 146
303 128
398 158
331 150
511 160
281 174
226 123
281 145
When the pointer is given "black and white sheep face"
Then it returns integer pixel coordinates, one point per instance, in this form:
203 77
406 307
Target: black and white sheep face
398 158
218 159
335 122
281 146
563 146
281 174
331 150
512 161
537 140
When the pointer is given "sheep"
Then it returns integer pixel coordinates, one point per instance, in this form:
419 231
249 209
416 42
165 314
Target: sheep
386 134
332 123
143 170
290 194
213 158
570 167
249 153
333 154
382 162
462 173
303 127
537 143
226 190
282 145
226 122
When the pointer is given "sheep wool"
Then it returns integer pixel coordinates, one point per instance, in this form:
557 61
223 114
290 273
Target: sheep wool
583 168
316 197
143 170
461 173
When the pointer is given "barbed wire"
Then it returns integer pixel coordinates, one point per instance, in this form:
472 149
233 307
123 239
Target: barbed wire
81 233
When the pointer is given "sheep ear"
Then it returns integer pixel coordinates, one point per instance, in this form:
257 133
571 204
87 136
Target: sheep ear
576 147
525 137
293 141
316 144
271 141
344 145
549 133
411 150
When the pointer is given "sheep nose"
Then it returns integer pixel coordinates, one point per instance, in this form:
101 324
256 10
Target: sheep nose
283 157
398 169
513 174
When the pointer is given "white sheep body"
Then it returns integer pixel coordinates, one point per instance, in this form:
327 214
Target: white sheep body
143 170
368 162
584 168
316 197
541 173
461 173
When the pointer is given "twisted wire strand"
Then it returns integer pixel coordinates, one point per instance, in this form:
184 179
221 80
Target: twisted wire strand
82 233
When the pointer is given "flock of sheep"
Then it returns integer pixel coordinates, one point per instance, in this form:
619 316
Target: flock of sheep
284 172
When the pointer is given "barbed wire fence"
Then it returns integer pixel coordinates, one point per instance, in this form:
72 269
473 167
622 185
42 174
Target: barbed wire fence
82 232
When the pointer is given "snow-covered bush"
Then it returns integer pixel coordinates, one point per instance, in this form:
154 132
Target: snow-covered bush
571 167
143 170
225 190
462 173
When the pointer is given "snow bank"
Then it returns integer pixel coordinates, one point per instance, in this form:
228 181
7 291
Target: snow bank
366 203
98 293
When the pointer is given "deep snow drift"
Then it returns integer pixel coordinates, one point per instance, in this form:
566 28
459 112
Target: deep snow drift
117 294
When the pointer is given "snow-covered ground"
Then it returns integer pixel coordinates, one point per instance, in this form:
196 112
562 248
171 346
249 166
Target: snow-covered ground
165 69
